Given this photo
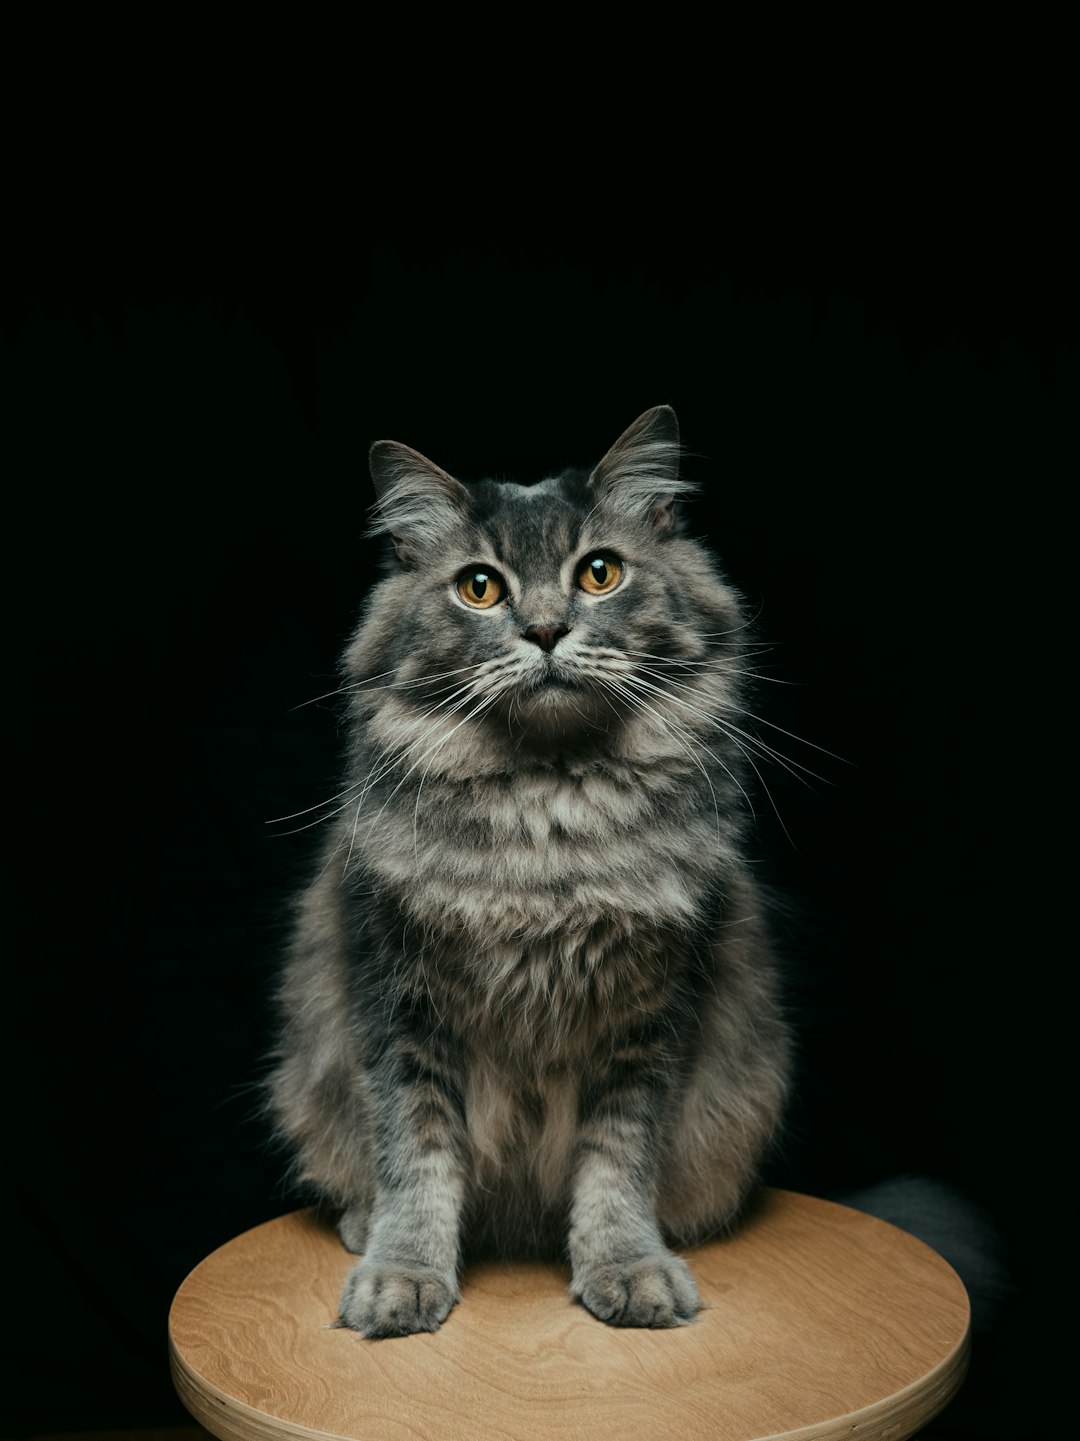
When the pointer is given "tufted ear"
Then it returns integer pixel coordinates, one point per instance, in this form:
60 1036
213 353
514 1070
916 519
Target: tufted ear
639 475
417 503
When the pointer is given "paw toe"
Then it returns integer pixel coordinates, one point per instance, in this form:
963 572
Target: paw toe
655 1291
381 1300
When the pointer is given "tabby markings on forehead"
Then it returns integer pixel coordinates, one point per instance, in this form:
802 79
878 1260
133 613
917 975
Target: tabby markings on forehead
539 516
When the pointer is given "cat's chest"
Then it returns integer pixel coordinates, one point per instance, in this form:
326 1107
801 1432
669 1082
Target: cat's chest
543 854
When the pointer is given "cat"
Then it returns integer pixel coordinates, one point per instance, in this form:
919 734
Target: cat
530 1007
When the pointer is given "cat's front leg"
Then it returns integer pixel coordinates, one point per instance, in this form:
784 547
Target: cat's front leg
622 1271
406 1281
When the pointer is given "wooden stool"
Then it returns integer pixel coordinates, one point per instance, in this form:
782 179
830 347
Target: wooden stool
818 1320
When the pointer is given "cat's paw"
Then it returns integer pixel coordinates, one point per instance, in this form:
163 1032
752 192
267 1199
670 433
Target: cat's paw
395 1300
653 1291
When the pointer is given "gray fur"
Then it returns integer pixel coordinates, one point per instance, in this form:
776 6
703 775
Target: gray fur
530 1007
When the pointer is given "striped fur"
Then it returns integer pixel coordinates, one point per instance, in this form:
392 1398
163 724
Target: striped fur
530 1007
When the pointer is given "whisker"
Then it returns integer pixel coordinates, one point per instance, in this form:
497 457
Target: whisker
650 713
319 820
746 743
451 704
483 704
416 683
277 820
763 748
339 691
376 773
752 743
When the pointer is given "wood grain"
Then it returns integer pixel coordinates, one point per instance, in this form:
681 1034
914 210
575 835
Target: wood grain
819 1320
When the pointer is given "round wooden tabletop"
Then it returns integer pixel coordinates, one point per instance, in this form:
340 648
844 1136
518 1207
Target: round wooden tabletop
819 1320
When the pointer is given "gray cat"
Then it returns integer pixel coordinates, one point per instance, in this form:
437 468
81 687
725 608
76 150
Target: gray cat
530 1008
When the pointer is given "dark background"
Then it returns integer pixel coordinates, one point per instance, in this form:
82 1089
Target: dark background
879 404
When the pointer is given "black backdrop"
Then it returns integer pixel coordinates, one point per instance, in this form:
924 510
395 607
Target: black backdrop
881 422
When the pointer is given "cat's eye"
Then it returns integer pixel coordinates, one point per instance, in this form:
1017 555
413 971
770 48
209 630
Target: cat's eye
481 587
599 573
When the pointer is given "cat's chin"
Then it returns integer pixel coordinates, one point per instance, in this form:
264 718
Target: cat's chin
559 705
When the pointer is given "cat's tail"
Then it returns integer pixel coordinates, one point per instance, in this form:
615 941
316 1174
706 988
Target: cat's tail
954 1226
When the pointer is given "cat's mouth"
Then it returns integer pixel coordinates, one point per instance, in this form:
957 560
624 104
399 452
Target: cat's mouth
550 679
550 695
554 681
554 695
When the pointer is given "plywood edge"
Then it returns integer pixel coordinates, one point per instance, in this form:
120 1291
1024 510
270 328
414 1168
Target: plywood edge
225 1416
902 1414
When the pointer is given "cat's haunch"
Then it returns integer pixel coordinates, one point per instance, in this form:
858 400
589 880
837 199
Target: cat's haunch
529 1007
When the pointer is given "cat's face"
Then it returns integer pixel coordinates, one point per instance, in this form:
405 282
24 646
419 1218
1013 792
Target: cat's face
550 595
551 606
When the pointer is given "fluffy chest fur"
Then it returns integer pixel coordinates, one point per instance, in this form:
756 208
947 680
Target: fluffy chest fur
500 858
546 901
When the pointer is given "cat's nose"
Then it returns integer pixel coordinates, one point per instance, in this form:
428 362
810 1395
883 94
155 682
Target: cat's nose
546 637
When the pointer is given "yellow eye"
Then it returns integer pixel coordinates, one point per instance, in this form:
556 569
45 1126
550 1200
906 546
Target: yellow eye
480 587
599 573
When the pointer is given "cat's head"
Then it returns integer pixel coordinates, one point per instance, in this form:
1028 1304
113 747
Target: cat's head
553 605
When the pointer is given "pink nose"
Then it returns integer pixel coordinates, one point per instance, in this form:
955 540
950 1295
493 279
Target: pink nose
546 636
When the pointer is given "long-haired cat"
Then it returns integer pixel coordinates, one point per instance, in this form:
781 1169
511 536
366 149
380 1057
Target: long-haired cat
530 1007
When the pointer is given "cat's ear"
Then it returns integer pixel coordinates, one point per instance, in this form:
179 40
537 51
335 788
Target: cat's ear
417 503
639 476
